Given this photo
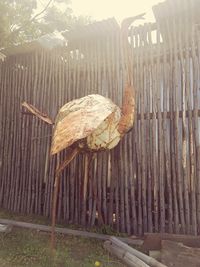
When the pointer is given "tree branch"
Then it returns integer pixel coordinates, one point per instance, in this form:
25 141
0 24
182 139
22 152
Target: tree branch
33 18
45 8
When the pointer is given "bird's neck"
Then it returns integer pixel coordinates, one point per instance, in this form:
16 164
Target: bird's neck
128 107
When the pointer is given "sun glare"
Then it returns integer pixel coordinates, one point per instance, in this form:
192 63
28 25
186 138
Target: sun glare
120 9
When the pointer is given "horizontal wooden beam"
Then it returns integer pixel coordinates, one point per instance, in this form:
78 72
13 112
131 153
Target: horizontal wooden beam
125 256
45 228
152 241
150 116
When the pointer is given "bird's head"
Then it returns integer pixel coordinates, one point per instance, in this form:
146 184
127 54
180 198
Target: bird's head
128 106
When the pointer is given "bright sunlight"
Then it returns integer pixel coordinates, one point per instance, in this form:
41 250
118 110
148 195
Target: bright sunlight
119 9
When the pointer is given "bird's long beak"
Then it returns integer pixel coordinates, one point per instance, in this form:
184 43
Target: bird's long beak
44 117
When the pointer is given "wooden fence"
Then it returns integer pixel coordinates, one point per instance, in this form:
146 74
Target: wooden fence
151 181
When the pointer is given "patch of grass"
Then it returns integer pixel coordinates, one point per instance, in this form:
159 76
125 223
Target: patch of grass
24 247
106 230
21 248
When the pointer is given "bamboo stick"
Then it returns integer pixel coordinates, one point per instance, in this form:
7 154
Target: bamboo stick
99 191
176 125
166 132
111 189
184 133
172 141
155 179
149 163
195 159
121 192
104 187
142 133
94 190
126 187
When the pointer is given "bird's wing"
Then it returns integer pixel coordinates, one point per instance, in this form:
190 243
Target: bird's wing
78 118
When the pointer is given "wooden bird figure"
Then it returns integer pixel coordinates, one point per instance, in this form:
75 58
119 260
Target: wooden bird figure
89 124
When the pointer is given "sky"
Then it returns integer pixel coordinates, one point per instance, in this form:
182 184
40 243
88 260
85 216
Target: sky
120 9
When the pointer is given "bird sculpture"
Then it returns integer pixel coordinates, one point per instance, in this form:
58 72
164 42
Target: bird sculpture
89 124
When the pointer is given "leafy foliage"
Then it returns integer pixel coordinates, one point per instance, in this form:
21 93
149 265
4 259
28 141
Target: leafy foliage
24 20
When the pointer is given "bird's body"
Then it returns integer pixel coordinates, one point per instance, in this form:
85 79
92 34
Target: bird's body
90 122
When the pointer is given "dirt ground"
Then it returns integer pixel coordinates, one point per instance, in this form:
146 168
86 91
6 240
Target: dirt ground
22 247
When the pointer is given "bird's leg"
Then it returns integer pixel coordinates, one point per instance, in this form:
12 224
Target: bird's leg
88 163
85 182
54 204
59 169
87 175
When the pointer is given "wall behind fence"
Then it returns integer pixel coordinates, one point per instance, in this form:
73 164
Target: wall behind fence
150 182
